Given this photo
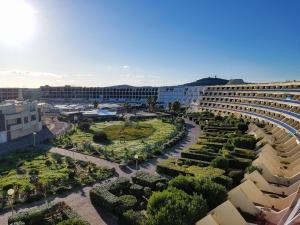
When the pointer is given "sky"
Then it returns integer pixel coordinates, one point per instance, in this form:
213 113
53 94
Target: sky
152 42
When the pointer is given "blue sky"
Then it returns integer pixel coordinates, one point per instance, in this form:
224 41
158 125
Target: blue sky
147 42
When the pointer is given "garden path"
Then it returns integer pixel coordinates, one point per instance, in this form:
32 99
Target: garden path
79 200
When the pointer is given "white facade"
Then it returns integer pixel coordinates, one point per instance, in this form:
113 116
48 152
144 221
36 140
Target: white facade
18 119
186 95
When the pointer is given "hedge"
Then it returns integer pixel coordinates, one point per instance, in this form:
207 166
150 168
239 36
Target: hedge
136 190
126 202
197 156
35 216
118 186
103 198
146 179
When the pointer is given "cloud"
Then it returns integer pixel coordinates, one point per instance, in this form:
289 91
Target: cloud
126 67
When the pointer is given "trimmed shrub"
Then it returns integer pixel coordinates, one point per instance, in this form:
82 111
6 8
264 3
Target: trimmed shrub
131 217
173 206
220 162
147 192
247 142
103 198
147 179
251 169
100 136
119 186
236 176
75 221
136 190
243 127
126 202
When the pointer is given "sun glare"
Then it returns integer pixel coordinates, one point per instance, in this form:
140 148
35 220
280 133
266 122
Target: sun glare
17 22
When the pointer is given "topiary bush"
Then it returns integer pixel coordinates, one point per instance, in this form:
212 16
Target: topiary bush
75 221
84 126
101 197
127 202
100 136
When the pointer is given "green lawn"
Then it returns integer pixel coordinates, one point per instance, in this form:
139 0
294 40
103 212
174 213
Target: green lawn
139 138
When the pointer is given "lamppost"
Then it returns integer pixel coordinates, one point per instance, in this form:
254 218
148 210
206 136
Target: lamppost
11 193
136 160
34 137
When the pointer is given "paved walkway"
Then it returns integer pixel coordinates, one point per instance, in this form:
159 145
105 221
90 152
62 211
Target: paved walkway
79 200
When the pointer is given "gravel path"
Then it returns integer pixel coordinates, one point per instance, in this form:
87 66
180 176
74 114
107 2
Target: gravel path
78 199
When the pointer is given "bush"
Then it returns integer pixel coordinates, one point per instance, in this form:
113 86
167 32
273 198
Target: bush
251 169
84 126
236 176
100 136
131 217
220 162
173 206
243 127
248 142
127 202
119 186
75 221
101 197
213 193
136 190
147 179
147 192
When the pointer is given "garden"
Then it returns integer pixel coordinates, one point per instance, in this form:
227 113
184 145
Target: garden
224 151
49 214
154 200
120 141
34 174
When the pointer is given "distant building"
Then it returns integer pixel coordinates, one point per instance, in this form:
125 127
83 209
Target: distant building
10 93
184 94
18 119
122 93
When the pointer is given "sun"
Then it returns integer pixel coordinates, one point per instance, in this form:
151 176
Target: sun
17 22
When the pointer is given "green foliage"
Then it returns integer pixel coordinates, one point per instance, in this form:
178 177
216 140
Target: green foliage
101 197
84 126
173 206
147 179
127 202
131 217
247 142
75 221
100 136
251 169
119 186
213 193
220 162
243 127
136 190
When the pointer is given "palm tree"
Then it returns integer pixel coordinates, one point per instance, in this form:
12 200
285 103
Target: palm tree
151 101
170 105
96 104
176 106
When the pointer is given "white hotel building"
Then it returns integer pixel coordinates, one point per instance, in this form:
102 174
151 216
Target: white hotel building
18 119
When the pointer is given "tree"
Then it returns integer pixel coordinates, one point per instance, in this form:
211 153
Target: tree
173 206
170 106
151 101
100 136
84 126
243 127
96 104
176 106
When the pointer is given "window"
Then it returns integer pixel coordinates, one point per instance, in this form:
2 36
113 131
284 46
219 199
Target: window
33 117
26 119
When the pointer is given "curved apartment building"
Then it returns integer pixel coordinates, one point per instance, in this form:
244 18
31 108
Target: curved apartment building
272 197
